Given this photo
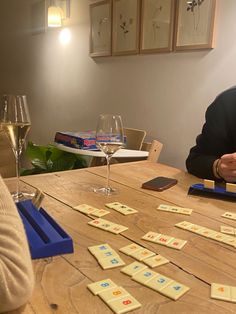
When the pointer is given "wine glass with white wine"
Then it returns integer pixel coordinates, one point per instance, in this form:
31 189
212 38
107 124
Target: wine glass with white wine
109 138
15 122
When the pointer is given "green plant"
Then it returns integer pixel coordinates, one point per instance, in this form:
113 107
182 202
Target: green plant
49 159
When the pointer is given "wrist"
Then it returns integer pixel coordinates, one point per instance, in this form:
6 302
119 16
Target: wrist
216 169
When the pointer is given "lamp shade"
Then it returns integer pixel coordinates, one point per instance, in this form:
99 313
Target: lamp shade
54 16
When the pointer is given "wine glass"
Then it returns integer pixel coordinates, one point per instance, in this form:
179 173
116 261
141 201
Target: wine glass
15 121
109 138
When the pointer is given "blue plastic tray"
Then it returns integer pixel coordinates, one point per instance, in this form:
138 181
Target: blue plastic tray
217 192
46 238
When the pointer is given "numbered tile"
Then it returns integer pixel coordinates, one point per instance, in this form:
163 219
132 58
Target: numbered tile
128 249
155 261
229 215
177 244
227 230
164 239
221 292
183 224
195 228
113 294
99 248
231 187
140 255
151 236
100 213
209 184
124 304
159 282
233 294
99 286
115 228
174 290
105 254
144 275
97 223
85 208
133 268
111 262
126 210
113 205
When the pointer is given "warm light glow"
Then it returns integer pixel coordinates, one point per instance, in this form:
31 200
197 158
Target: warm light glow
54 17
65 36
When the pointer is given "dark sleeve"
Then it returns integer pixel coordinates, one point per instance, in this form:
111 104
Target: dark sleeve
212 143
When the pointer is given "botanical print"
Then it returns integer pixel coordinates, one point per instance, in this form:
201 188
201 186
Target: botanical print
194 22
100 29
125 25
156 23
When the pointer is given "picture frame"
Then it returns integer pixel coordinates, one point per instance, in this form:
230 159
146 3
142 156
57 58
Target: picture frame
125 27
194 24
100 28
157 22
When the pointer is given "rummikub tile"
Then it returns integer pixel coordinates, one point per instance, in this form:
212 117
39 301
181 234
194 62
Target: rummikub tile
99 286
85 208
233 294
111 262
100 213
158 282
127 210
128 249
195 228
221 292
124 304
97 222
140 255
229 240
155 261
227 230
183 224
144 275
175 209
218 236
231 187
151 236
229 215
209 184
163 239
115 228
133 268
113 205
113 294
208 233
105 254
174 290
177 244
99 248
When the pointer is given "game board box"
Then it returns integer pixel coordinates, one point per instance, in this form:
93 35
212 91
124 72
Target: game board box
82 140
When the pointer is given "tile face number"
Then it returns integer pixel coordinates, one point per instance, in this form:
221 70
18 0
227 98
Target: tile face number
97 287
113 294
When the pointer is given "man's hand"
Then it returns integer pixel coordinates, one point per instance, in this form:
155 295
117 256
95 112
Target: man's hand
227 167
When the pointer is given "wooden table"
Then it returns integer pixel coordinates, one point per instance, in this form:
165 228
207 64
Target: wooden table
61 281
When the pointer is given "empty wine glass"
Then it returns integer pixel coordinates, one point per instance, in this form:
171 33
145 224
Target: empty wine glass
109 138
15 121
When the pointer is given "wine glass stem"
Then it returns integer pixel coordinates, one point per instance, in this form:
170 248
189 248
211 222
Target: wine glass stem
108 158
17 173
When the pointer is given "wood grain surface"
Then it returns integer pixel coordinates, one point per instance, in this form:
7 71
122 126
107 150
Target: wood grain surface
61 281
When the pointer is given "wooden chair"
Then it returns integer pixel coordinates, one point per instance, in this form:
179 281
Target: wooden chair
154 148
134 138
7 159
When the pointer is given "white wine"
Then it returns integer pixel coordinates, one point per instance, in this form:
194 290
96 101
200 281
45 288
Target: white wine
16 132
109 148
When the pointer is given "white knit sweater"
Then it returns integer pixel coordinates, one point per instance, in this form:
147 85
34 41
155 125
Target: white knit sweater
16 274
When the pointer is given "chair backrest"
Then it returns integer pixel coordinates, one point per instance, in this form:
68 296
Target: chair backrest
154 149
7 159
134 138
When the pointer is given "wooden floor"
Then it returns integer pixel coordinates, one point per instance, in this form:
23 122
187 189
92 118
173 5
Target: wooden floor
61 281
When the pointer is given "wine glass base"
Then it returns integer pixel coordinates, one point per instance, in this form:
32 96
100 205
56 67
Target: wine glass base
105 191
21 196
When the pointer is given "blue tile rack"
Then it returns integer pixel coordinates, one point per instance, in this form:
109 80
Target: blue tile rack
45 237
218 192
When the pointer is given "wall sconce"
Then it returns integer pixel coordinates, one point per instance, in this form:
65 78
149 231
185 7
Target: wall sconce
58 10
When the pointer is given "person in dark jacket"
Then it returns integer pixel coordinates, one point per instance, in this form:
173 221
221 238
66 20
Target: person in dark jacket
214 155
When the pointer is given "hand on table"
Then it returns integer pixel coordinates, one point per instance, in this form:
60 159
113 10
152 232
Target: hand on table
227 167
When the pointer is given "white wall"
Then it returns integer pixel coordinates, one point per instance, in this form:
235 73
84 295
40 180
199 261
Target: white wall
166 94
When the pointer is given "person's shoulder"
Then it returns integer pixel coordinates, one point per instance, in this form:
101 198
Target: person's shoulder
227 94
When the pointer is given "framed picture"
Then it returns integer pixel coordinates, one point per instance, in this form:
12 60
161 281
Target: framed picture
157 21
125 34
194 27
100 28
